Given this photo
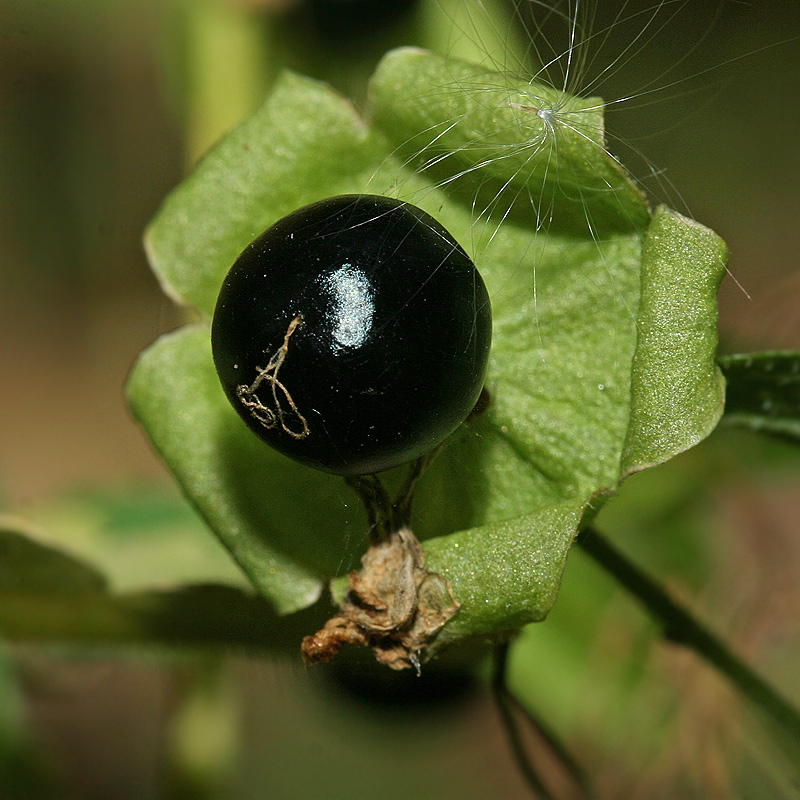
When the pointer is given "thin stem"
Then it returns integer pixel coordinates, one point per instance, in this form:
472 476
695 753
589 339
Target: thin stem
385 515
376 501
504 706
405 495
681 627
508 705
559 749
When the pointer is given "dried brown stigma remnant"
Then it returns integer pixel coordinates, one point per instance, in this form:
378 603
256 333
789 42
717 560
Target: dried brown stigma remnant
268 416
394 604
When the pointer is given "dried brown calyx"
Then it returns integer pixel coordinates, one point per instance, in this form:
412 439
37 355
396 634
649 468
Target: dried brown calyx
394 604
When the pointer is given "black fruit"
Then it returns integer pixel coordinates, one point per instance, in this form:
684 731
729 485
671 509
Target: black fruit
353 334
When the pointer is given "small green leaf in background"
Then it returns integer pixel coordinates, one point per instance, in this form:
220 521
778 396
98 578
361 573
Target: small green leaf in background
49 593
137 537
30 567
603 342
764 393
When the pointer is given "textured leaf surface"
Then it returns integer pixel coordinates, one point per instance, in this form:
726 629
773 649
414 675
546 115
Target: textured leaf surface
677 392
603 349
764 393
517 143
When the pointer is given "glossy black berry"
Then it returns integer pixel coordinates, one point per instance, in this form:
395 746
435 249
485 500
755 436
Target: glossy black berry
353 334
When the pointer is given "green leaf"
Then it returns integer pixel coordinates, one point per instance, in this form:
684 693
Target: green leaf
49 594
764 393
247 493
603 344
507 574
28 566
303 144
677 392
509 140
137 538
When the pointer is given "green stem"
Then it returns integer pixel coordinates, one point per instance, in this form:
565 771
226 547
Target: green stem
681 627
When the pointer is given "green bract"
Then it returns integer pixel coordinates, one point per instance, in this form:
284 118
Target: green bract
603 346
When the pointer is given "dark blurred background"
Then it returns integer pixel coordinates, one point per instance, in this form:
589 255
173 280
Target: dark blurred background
104 105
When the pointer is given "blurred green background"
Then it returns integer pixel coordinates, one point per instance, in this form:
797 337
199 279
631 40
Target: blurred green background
104 105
